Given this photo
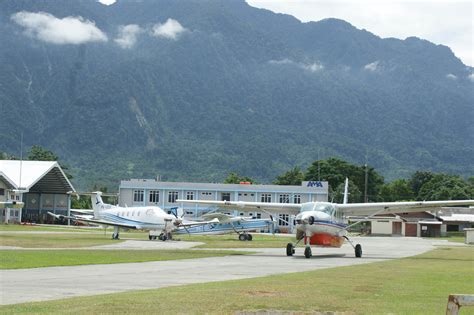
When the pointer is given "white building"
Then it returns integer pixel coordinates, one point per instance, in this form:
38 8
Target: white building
41 185
143 192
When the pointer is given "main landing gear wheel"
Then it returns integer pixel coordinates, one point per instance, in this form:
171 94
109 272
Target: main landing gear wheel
162 237
242 237
249 237
290 249
115 236
152 237
307 252
358 251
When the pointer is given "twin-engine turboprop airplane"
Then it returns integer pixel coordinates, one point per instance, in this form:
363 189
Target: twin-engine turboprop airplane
325 223
152 219
228 224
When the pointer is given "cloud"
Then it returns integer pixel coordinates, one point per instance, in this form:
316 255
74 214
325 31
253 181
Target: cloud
48 28
171 29
372 66
107 2
451 76
128 35
312 67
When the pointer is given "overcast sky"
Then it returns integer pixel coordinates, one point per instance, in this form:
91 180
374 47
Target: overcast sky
447 22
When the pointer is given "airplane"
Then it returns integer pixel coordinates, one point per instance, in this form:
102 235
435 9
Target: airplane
152 219
228 224
324 223
11 204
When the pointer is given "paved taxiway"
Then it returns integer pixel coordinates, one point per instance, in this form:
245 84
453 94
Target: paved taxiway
40 284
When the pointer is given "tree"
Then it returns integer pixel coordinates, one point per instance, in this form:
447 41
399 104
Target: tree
397 190
292 177
335 171
418 179
446 187
38 153
234 178
337 195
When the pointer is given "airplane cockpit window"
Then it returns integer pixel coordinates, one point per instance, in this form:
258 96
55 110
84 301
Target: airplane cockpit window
326 208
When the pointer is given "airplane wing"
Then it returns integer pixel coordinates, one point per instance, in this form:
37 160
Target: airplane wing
197 223
83 211
95 221
248 205
397 207
222 217
11 204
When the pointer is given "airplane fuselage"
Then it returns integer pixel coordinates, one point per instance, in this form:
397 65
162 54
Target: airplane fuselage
321 224
148 218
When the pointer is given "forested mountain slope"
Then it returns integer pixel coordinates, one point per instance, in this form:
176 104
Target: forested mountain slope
222 87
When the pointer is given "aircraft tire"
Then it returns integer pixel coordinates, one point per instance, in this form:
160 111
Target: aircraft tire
249 237
358 251
290 249
150 237
307 252
242 237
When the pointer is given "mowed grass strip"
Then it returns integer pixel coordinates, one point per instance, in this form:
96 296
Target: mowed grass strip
232 241
55 240
415 285
35 227
20 259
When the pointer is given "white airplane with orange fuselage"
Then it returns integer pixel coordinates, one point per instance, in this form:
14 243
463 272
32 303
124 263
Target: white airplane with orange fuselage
325 223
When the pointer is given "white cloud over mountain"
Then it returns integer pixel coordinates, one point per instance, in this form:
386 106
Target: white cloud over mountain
61 31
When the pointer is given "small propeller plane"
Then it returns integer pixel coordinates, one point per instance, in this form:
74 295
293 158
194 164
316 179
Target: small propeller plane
152 219
11 204
229 224
325 223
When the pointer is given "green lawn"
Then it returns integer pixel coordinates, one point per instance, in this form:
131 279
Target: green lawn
35 227
415 285
19 259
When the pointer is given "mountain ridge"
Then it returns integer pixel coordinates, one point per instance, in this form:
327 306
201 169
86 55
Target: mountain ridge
241 89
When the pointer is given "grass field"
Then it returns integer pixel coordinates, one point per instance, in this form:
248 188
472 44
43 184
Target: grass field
34 227
415 285
19 259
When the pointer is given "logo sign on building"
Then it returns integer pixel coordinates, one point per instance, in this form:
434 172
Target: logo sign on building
313 183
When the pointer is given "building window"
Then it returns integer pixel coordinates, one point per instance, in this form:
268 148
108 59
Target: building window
2 192
259 215
297 198
206 193
284 198
190 195
138 195
189 212
154 196
225 196
172 196
266 198
283 219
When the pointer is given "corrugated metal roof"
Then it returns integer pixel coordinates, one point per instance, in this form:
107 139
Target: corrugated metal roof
39 176
459 218
152 184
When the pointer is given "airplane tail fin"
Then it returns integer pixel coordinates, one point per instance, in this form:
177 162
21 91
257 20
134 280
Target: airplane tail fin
97 203
346 191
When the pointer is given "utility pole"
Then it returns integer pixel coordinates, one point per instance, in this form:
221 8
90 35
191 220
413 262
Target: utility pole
366 198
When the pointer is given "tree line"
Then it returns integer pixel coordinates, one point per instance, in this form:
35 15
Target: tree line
421 185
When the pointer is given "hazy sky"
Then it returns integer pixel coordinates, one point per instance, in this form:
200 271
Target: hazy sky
447 22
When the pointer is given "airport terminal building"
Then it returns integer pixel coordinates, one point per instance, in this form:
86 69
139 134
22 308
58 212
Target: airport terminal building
143 192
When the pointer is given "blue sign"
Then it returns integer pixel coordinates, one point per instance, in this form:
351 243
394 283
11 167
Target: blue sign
314 184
